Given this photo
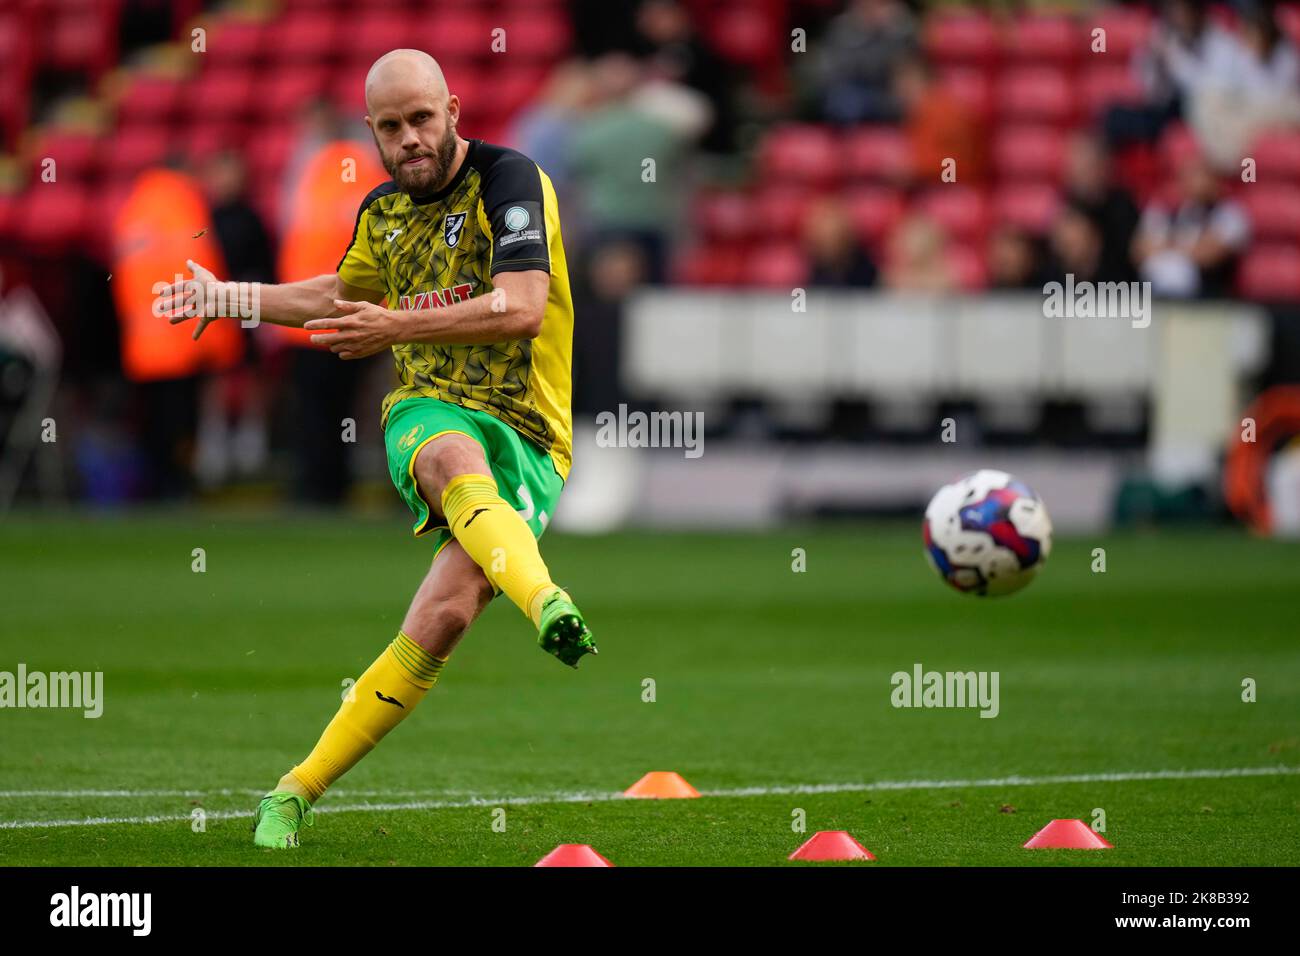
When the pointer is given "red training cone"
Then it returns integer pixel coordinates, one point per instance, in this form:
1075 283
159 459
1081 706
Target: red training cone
831 845
1067 835
661 784
573 854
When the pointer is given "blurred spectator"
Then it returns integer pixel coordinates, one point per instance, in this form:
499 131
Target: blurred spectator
853 71
1090 187
1075 247
1256 87
630 158
676 53
938 125
1185 47
233 431
544 131
835 256
244 239
601 27
163 222
321 215
1192 250
1014 260
612 272
917 259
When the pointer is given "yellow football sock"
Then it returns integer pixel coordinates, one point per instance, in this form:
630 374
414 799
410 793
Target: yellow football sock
499 541
388 691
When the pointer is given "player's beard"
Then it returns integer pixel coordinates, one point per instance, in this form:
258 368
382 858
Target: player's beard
428 179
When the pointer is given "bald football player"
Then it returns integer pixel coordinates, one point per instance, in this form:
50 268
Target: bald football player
456 265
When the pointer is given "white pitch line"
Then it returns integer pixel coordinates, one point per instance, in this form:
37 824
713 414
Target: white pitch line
562 798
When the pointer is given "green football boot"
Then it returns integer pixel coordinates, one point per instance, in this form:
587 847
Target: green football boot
562 630
278 819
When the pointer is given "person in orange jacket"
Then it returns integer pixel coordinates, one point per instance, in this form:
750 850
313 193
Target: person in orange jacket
165 216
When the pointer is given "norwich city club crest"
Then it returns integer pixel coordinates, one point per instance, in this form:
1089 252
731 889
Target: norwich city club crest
407 441
451 228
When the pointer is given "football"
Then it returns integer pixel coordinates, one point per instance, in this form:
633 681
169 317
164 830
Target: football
987 533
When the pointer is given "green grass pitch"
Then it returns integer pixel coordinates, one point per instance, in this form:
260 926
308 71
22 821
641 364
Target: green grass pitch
769 684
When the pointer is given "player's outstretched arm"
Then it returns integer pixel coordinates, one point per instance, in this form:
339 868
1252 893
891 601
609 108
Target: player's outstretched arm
512 310
207 298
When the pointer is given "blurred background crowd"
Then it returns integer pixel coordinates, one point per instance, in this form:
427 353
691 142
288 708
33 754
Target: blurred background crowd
796 143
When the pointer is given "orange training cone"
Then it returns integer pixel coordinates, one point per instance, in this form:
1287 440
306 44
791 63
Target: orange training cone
661 784
573 854
831 845
1067 835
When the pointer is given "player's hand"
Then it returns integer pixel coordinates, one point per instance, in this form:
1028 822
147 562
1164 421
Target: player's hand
362 329
185 300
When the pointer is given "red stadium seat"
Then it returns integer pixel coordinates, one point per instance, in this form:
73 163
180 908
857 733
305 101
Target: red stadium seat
745 39
1046 38
150 99
1107 84
875 210
467 33
800 153
967 264
238 41
372 33
1277 156
1288 19
285 92
1127 29
779 209
541 35
1138 168
1031 207
502 93
961 210
776 265
709 265
970 86
82 39
76 155
348 92
725 216
274 147
309 38
1037 95
52 217
204 139
1274 210
1177 145
961 37
15 50
226 92
1029 154
9 203
133 149
876 152
1271 274
17 55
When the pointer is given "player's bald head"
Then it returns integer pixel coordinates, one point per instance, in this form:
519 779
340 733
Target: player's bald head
413 118
404 72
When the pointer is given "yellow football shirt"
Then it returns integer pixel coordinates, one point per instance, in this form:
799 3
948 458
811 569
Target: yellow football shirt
497 214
